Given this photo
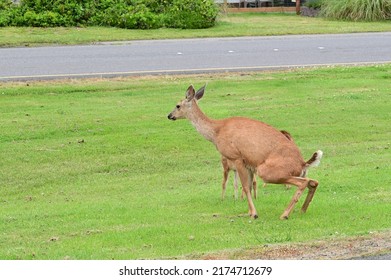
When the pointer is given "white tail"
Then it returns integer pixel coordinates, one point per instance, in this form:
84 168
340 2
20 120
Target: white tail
254 147
312 162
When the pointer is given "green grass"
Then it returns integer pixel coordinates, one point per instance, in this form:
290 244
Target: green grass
92 169
241 24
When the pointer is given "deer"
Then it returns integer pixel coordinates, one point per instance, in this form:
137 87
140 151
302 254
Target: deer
230 165
255 148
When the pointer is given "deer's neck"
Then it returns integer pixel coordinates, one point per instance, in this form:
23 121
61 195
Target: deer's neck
204 125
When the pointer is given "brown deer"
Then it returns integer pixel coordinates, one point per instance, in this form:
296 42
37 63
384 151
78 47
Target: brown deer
229 165
255 148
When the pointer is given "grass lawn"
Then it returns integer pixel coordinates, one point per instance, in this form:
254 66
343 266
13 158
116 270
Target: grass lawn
92 169
236 24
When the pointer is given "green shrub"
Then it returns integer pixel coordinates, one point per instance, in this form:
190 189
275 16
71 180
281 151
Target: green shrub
9 15
5 4
191 14
108 13
5 12
43 19
4 18
135 14
357 10
140 17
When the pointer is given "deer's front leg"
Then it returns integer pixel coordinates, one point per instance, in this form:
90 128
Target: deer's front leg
246 178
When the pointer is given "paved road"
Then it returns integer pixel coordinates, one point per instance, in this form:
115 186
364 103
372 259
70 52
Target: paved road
193 55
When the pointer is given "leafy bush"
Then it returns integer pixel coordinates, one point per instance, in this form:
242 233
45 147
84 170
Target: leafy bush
6 12
357 10
191 14
5 4
140 17
43 19
107 13
135 14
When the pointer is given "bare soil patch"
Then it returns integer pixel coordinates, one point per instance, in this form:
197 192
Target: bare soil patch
332 249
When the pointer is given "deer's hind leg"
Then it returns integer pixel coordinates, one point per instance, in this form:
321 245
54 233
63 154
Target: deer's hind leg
302 184
278 173
312 186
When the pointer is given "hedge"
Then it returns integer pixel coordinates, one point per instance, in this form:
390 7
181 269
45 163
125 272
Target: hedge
132 14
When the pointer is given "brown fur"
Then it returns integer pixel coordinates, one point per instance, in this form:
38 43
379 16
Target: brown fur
254 147
230 165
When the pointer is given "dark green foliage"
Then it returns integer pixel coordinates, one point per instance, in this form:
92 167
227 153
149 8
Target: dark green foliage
6 12
190 14
140 17
5 4
134 14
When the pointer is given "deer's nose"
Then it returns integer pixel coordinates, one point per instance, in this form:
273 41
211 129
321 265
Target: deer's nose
171 117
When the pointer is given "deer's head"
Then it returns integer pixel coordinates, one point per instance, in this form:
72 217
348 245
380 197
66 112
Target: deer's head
184 106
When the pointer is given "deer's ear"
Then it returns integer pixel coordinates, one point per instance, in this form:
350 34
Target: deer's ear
200 93
190 93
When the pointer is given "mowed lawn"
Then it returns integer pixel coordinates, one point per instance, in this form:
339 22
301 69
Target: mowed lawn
227 25
93 169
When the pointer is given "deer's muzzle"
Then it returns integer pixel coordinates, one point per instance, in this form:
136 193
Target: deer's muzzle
171 117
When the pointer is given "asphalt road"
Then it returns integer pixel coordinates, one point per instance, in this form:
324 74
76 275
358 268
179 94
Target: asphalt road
193 56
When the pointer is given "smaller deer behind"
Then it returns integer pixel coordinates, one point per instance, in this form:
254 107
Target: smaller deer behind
255 148
227 167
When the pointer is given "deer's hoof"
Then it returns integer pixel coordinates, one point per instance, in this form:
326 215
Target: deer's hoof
255 216
283 217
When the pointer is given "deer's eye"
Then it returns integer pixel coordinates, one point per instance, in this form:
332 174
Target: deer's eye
178 106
